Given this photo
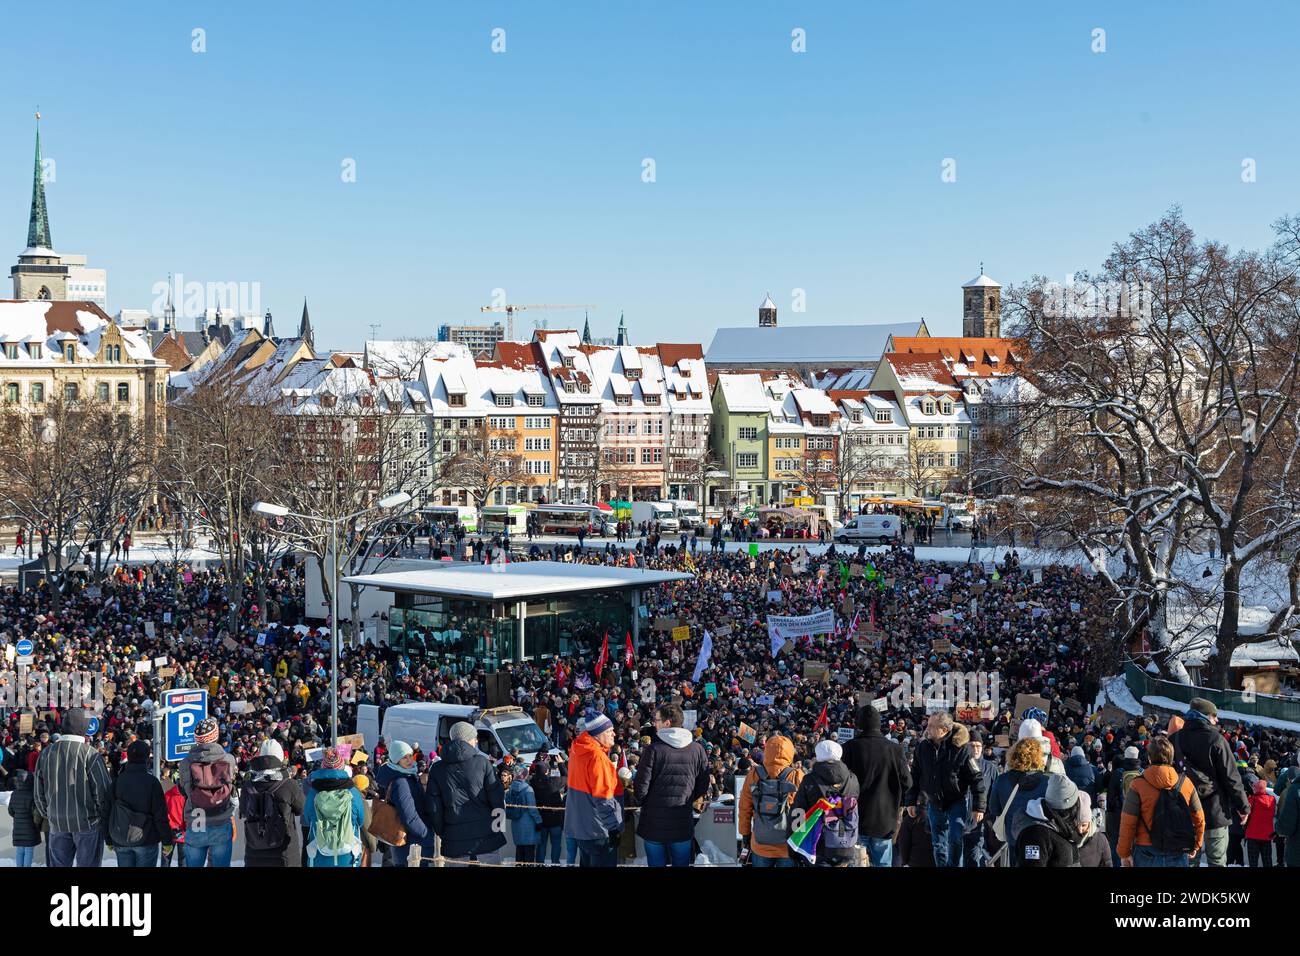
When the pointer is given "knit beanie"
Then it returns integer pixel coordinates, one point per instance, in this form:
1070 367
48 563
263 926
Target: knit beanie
271 748
828 750
461 730
333 760
598 725
206 731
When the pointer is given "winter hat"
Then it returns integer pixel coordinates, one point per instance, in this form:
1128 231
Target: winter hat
598 725
138 752
1061 792
868 718
1077 752
361 782
206 731
76 721
1029 728
270 747
333 759
1202 708
976 734
828 750
1085 806
1130 753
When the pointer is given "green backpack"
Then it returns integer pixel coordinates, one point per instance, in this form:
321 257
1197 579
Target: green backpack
334 821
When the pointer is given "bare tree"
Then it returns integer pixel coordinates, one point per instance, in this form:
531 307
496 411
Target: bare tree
483 469
923 466
1168 420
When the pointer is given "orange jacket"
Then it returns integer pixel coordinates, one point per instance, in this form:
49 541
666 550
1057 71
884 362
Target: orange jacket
1140 805
591 809
778 753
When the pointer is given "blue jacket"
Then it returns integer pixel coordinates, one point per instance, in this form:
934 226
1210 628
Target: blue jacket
1082 774
331 780
407 798
525 819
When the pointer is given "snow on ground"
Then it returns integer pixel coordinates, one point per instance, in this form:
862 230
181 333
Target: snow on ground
1178 707
1114 690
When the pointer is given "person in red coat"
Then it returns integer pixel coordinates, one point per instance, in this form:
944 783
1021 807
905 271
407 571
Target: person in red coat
175 800
1259 826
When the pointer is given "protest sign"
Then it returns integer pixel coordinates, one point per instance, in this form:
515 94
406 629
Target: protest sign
844 734
803 625
817 671
682 633
747 733
765 700
143 667
774 597
26 723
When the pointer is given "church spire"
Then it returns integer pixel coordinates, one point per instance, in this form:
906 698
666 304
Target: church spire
304 328
586 329
268 327
622 338
38 226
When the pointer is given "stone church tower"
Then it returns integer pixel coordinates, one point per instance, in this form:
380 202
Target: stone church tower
40 272
767 313
981 314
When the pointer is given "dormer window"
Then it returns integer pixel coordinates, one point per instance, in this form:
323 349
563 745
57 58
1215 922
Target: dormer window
568 387
652 399
632 374
585 388
456 400
883 417
328 401
945 407
505 401
34 350
70 351
113 353
927 406
11 351
537 401
820 421
855 416
568 361
622 399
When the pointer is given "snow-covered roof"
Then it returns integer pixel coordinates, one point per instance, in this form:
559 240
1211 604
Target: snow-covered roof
743 393
40 329
981 281
1263 652
517 580
788 345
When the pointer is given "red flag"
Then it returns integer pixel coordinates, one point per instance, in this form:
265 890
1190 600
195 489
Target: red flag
822 721
561 676
604 655
628 653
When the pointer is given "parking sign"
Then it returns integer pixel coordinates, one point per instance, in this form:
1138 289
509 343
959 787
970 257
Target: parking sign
184 709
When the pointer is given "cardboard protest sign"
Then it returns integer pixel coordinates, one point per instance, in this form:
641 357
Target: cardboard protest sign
690 718
1024 702
817 671
970 712
166 672
355 741
229 644
682 633
723 631
747 733
844 734
775 597
1072 705
941 647
977 589
1002 740
26 723
143 667
150 630
160 662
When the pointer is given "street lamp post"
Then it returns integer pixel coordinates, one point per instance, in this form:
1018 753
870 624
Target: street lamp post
388 503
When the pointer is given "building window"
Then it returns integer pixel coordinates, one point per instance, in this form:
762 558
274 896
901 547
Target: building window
456 401
123 391
584 387
746 459
38 392
542 467
114 353
70 351
537 401
632 374
537 423
537 444
11 393
883 417
501 424
945 408
652 399
505 401
622 399
424 438
11 350
101 391
652 456
747 433
501 444
34 351
70 392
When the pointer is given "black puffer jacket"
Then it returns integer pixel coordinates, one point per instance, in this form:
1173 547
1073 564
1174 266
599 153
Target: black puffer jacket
945 772
23 809
1201 751
462 793
140 790
673 773
1115 793
828 778
289 801
548 791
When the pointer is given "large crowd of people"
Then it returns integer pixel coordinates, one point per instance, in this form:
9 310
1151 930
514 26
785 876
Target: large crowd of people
831 752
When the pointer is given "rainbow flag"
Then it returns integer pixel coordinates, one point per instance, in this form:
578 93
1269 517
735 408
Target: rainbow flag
804 840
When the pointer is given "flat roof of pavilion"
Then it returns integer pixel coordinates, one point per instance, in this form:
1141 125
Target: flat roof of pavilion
516 580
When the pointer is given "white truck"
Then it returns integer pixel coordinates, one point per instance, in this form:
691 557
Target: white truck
660 511
500 729
881 528
688 514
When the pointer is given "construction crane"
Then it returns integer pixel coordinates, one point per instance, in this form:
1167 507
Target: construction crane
510 311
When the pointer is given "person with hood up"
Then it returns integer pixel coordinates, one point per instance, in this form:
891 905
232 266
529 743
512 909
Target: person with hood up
207 778
593 814
1081 772
884 779
27 821
1259 828
779 768
267 805
945 770
333 813
175 800
462 801
1199 748
672 774
1052 837
1135 837
1117 786
398 782
138 805
1094 847
73 792
830 779
521 811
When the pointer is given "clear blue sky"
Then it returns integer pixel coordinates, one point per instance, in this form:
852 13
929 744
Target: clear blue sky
522 170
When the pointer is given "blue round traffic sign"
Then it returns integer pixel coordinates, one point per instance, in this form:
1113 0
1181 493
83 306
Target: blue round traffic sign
25 648
93 727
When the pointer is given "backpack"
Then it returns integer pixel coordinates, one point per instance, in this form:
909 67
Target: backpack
841 832
210 785
1171 829
125 826
334 821
1127 781
264 823
772 825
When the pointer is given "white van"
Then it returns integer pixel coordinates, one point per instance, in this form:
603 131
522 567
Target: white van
500 729
500 518
882 528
